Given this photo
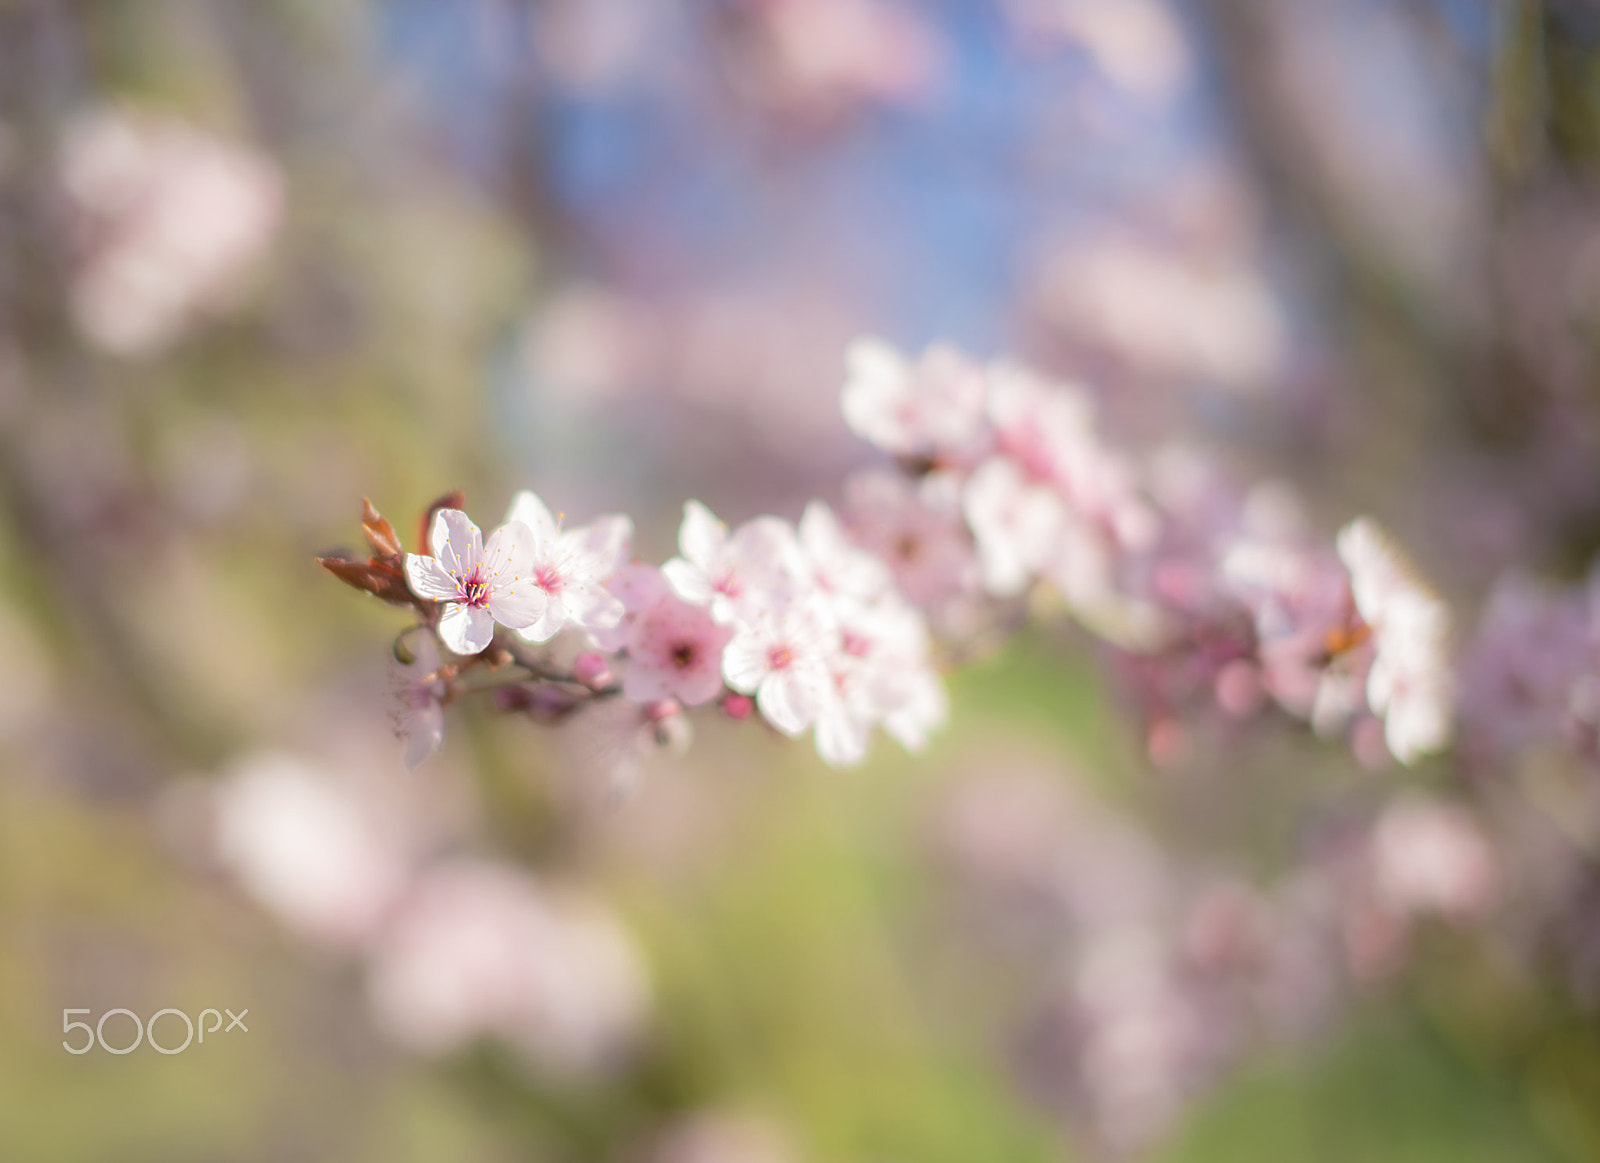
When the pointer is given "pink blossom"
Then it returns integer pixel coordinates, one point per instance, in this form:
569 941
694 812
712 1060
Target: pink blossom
481 950
308 848
675 651
917 529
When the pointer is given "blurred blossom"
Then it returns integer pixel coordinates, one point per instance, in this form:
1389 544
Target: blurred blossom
817 59
310 847
590 48
721 1137
1138 45
482 950
586 343
1431 858
419 703
1163 313
1531 673
168 217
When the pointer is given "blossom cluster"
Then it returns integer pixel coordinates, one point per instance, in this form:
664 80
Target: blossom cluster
1206 594
1143 980
794 622
451 947
1207 597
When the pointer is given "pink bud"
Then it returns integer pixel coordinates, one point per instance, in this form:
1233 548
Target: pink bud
592 670
738 706
1238 689
1168 743
662 709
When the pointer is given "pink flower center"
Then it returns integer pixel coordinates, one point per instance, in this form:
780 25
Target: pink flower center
683 654
548 579
475 587
856 645
779 657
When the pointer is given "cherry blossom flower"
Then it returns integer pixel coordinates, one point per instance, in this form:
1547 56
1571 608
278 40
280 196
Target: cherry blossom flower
571 567
917 529
735 574
483 583
782 659
1411 683
838 567
675 651
1431 857
419 717
173 216
930 411
638 586
308 848
880 675
1016 523
480 949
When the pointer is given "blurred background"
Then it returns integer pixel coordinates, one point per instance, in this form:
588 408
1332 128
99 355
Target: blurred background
260 260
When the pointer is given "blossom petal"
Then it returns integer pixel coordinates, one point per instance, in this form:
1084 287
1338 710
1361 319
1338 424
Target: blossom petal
517 604
549 622
466 629
456 541
841 737
744 663
430 580
688 581
608 538
508 555
787 701
527 508
701 538
423 730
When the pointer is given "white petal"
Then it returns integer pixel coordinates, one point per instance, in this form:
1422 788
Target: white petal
519 605
508 556
688 581
549 622
594 609
609 539
456 541
532 512
787 701
429 580
701 537
466 629
424 733
841 737
744 662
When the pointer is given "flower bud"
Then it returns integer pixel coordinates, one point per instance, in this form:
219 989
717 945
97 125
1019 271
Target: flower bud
738 706
592 670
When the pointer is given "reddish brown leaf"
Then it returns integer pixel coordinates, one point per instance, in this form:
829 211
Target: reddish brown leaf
381 536
378 578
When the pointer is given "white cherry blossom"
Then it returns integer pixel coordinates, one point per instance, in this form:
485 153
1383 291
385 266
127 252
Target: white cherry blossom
737 574
1016 523
571 567
782 659
1411 683
932 409
483 583
838 566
